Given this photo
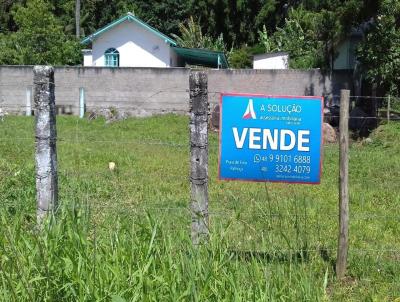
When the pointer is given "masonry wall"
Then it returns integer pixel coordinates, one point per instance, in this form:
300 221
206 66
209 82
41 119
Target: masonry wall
146 91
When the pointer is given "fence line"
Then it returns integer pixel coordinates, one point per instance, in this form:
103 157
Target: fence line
118 208
199 146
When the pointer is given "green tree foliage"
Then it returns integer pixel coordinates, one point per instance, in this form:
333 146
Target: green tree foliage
299 37
98 13
313 30
165 15
192 37
237 20
266 41
40 38
240 58
6 21
379 54
310 30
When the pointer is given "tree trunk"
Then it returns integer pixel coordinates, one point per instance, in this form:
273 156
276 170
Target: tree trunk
78 18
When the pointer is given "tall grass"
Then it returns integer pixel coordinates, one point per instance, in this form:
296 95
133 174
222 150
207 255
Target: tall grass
73 260
124 235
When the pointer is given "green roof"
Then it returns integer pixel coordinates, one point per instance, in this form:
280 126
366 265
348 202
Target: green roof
131 18
202 57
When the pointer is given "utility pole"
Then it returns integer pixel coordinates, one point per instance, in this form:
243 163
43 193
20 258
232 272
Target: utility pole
78 18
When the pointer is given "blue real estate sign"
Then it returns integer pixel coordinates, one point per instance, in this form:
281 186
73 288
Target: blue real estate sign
270 138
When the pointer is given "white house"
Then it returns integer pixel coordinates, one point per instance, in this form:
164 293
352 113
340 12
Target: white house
274 60
130 42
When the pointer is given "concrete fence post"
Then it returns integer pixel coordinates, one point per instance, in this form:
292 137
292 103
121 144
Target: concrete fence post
46 136
199 156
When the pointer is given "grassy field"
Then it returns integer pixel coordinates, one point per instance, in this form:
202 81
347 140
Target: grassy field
124 235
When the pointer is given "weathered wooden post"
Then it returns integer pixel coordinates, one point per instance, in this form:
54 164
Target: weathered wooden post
199 156
388 109
343 239
375 104
46 153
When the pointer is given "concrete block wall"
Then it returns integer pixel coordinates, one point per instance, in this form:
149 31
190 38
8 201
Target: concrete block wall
147 91
14 81
269 82
141 91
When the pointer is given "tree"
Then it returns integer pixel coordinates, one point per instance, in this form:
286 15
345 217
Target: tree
379 53
78 18
98 13
237 20
165 15
298 37
309 30
192 37
240 58
39 39
6 21
313 29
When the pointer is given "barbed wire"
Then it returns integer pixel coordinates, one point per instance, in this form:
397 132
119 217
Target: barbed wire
174 111
116 105
102 110
220 213
175 89
88 140
80 138
130 103
354 216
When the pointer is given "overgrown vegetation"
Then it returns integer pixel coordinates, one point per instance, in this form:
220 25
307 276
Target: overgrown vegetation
43 31
124 235
191 36
380 51
40 38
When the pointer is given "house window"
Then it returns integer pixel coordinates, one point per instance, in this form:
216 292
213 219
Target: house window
111 57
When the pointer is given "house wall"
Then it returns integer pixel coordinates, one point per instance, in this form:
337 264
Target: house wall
174 58
271 62
87 58
147 91
137 46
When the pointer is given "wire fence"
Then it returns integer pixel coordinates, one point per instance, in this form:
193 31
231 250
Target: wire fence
151 175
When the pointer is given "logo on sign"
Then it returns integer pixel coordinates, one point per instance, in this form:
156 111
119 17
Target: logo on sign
249 113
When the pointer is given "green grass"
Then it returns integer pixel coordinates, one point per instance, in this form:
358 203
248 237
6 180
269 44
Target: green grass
125 235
